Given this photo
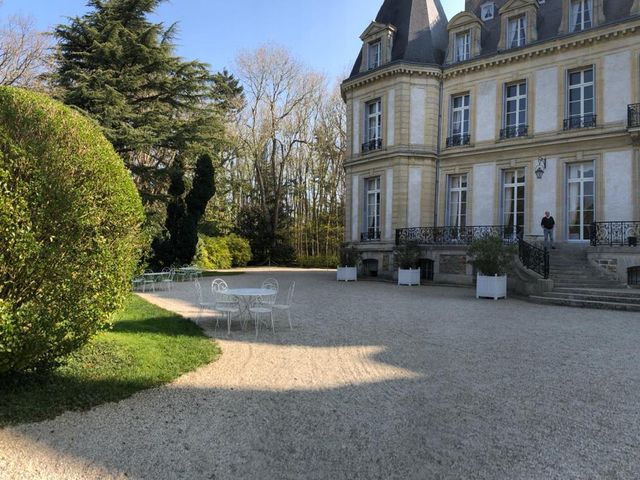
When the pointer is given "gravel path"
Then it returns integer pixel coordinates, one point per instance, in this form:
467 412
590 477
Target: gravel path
373 382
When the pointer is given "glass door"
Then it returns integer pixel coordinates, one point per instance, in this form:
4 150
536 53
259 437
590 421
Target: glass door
580 200
513 201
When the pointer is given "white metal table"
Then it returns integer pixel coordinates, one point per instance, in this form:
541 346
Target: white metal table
247 295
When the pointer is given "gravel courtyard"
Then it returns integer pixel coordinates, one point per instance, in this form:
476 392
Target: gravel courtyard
374 381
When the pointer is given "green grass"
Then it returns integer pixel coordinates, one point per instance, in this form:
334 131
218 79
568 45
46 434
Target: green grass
147 347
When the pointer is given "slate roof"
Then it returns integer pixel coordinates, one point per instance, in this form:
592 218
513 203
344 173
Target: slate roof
549 18
421 35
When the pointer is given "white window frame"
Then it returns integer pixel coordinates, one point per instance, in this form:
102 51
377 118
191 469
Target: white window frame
464 108
516 185
372 203
455 185
375 48
373 120
520 24
462 46
577 9
581 180
517 99
582 86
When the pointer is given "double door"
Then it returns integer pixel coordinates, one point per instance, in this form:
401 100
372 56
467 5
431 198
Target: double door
580 200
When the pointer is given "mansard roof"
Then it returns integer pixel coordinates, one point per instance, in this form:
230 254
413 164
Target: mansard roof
421 31
548 20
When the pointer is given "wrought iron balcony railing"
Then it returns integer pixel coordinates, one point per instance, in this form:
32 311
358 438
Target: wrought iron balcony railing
456 235
580 121
633 116
372 145
534 258
458 140
515 131
371 235
615 234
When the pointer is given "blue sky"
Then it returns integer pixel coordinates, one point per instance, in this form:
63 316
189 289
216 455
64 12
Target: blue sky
322 34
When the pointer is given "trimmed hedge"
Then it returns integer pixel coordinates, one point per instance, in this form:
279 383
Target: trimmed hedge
70 219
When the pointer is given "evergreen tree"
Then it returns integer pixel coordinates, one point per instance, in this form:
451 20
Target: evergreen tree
120 68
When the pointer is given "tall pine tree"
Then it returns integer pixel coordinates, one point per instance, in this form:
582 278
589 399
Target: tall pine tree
120 68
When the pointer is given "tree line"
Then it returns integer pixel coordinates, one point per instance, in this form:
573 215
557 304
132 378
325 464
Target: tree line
257 152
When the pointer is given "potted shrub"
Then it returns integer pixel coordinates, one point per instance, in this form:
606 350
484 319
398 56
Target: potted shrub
348 269
492 259
408 258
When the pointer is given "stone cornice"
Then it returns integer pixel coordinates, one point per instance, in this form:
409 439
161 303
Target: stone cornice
548 47
392 69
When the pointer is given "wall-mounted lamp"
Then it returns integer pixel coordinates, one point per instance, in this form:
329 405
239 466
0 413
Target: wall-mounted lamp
542 166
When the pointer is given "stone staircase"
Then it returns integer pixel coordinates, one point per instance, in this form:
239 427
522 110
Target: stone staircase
579 284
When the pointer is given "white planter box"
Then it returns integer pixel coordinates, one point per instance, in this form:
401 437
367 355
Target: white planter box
408 277
347 274
491 287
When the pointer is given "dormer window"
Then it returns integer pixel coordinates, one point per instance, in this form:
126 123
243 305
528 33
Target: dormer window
463 46
581 15
375 54
517 32
487 11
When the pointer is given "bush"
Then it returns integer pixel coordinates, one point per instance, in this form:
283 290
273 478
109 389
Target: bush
239 249
318 261
491 256
349 257
70 219
213 253
408 255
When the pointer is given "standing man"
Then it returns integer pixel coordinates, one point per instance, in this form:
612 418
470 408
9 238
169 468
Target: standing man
548 224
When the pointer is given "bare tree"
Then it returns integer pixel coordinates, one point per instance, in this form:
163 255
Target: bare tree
23 53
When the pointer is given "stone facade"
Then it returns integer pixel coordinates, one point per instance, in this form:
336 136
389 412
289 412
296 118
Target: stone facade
422 148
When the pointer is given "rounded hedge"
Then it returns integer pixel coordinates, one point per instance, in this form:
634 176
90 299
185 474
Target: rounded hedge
70 221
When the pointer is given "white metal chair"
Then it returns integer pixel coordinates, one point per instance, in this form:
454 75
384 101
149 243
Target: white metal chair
223 302
287 305
271 284
167 278
202 305
137 282
259 309
148 280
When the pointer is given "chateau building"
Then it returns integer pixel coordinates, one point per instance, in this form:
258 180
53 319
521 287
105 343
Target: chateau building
485 121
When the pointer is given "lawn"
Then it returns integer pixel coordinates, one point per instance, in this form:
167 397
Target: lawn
146 347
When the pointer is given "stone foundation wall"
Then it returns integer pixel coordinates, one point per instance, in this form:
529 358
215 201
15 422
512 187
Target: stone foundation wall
615 261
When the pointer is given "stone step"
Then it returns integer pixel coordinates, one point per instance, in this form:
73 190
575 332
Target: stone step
593 297
629 307
613 292
586 286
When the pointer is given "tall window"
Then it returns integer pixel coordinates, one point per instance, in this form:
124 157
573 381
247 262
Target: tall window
517 32
457 201
580 200
459 129
463 46
515 111
580 100
513 201
373 127
375 54
372 189
581 14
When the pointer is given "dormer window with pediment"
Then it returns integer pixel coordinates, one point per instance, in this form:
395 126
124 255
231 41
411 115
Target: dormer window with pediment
377 45
518 23
465 31
579 15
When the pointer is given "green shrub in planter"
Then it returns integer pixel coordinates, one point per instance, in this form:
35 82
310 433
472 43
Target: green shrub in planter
349 257
70 221
491 256
408 255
